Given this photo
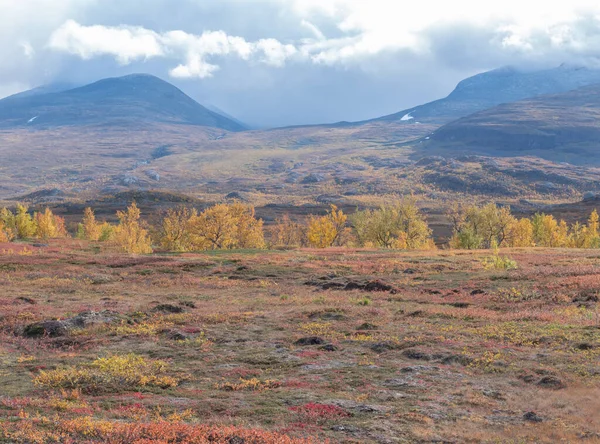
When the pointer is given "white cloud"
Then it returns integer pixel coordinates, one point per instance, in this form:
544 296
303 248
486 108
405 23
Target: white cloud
512 30
125 43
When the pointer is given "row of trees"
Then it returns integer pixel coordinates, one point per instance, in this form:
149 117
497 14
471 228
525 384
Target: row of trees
23 225
490 225
234 226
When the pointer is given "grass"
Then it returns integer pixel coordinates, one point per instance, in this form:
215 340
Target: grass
458 353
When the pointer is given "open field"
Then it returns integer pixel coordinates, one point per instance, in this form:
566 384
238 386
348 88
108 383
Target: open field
293 346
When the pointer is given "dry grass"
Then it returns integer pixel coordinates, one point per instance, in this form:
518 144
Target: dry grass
457 353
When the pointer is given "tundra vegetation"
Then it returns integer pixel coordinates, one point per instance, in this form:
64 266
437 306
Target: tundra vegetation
336 328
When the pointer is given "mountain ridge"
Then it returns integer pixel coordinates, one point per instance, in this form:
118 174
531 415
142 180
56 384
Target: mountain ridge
126 100
492 88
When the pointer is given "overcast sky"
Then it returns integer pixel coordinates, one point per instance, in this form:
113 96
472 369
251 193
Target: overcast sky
281 62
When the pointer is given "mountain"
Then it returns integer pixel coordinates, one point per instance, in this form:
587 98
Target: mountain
560 127
44 89
123 101
493 88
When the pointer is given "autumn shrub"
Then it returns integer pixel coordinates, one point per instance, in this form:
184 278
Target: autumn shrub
129 235
329 230
49 226
175 229
400 225
497 262
89 228
114 372
86 429
227 226
288 233
252 384
319 413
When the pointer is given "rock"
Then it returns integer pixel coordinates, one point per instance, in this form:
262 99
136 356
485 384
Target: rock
39 245
587 296
459 304
51 329
590 195
397 383
330 199
167 308
313 178
378 285
332 285
310 340
128 180
418 368
176 335
551 382
454 359
234 196
88 318
410 271
494 394
154 175
329 348
381 347
367 326
429 160
416 355
532 417
25 300
328 316
585 346
477 292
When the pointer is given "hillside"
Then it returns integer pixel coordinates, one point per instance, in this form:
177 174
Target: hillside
123 101
494 87
560 127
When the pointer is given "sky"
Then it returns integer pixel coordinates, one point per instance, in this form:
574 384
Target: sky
287 62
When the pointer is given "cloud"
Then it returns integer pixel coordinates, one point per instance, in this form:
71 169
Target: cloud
125 43
512 29
292 61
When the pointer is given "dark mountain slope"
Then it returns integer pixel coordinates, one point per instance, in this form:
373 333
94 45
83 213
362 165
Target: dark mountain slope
492 88
560 127
123 101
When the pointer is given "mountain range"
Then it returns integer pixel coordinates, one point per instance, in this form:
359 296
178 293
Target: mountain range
488 89
141 132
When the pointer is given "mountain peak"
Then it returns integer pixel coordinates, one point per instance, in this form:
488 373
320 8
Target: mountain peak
129 100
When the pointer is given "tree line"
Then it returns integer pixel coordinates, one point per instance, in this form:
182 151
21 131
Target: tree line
399 225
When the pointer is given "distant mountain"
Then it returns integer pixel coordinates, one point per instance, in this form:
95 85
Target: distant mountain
122 101
559 127
493 88
219 111
44 89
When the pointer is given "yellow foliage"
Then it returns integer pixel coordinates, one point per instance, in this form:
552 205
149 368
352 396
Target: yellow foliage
520 234
399 226
327 231
90 229
49 226
253 384
126 371
288 233
23 222
129 234
175 230
227 226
